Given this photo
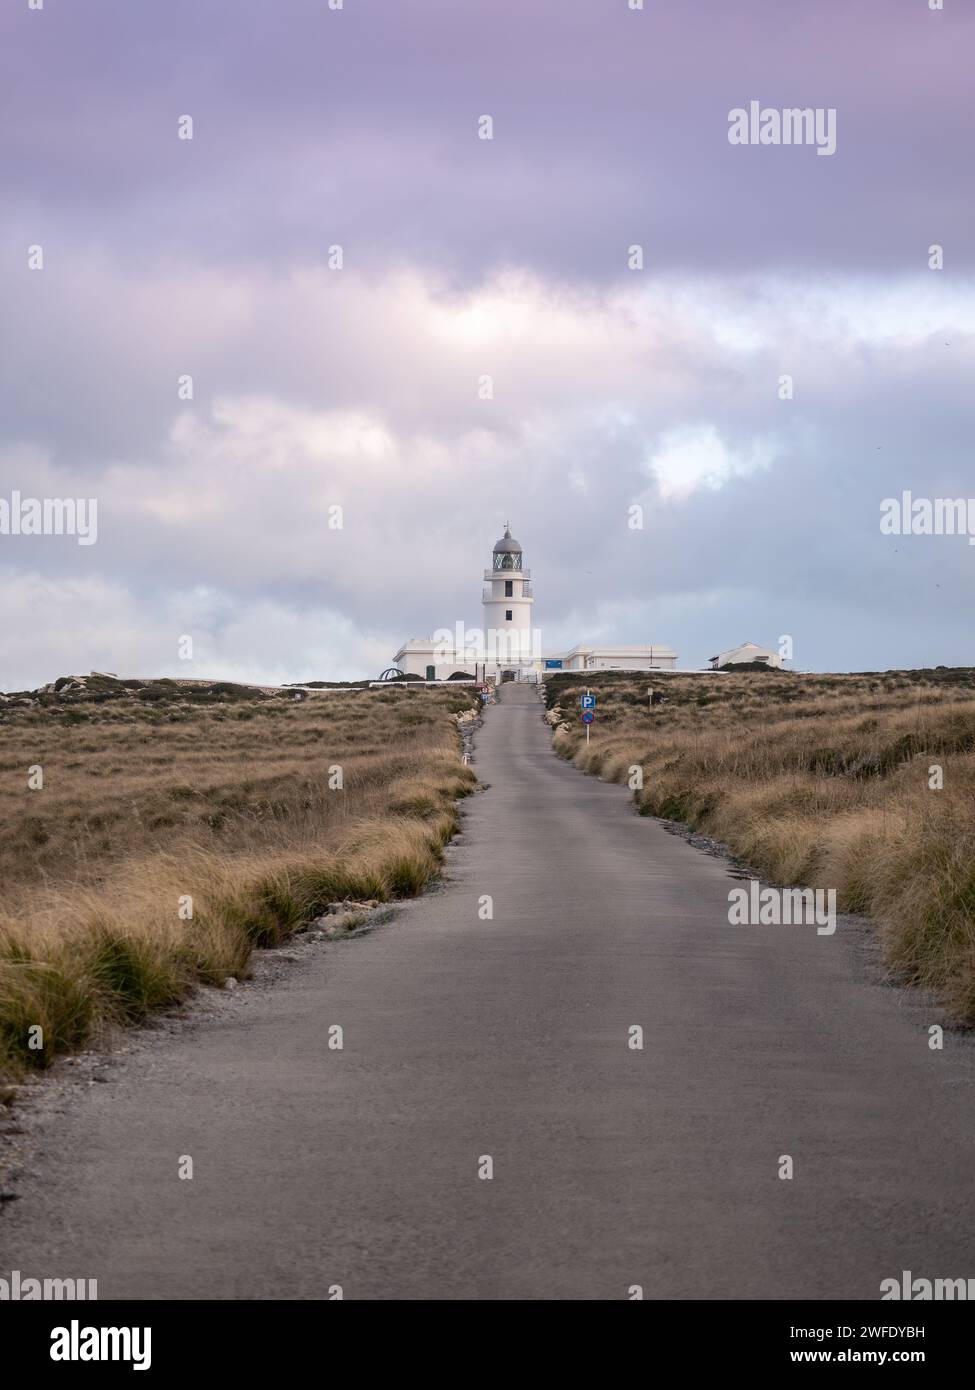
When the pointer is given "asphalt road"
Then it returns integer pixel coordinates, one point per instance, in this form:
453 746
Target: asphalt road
508 1038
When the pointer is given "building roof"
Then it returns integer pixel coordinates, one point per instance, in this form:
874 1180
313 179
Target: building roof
742 647
631 649
507 545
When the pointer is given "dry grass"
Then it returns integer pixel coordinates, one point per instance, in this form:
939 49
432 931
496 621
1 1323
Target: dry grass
146 803
814 780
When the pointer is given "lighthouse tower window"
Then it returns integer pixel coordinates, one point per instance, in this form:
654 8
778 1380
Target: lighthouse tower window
509 588
507 615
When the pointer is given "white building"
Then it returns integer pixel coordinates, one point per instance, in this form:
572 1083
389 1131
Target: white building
508 647
748 651
603 658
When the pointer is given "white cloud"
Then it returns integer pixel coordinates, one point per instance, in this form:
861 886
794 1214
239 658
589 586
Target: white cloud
317 387
90 624
695 456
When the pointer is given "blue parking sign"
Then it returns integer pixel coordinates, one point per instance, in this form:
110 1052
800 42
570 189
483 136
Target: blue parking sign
588 702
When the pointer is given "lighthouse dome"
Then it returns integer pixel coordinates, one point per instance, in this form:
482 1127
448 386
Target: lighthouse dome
507 545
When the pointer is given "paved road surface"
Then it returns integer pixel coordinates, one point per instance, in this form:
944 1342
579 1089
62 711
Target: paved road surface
508 1038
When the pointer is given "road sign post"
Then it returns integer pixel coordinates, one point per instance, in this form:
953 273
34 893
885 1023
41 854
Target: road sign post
588 703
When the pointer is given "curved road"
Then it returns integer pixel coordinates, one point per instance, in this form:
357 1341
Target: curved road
508 1038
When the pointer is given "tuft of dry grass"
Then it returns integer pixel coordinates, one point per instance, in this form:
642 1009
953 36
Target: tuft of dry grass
150 812
821 781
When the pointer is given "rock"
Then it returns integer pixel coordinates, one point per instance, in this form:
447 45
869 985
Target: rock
341 921
230 982
341 917
343 909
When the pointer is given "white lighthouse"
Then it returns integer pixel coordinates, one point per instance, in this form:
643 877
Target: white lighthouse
508 647
509 639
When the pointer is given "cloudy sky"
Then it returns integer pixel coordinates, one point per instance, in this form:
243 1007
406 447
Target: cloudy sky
465 258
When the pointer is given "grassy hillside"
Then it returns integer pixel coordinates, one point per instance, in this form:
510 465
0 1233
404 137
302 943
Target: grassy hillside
153 795
819 781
